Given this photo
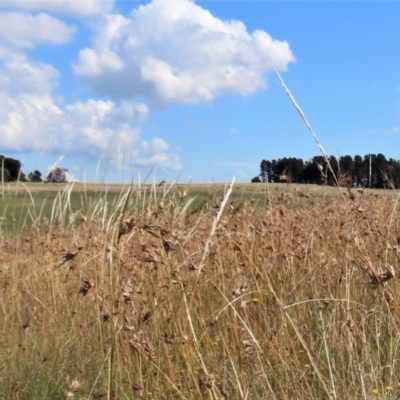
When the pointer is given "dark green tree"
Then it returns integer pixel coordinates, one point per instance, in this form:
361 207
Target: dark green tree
376 167
372 169
359 171
266 173
14 168
315 170
346 165
393 173
35 176
5 175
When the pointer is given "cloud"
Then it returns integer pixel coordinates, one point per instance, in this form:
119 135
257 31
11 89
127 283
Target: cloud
31 120
395 130
22 31
20 76
164 52
179 54
155 152
66 7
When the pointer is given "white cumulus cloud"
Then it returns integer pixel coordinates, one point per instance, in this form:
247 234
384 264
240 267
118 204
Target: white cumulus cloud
82 8
31 120
175 51
21 31
20 76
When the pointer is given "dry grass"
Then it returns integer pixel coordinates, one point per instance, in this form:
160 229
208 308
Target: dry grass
127 302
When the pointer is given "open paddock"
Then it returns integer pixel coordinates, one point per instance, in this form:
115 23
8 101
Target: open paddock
277 291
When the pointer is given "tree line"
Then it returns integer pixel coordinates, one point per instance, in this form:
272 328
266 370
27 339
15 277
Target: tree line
372 170
11 171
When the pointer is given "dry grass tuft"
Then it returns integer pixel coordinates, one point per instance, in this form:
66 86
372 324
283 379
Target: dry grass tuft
230 301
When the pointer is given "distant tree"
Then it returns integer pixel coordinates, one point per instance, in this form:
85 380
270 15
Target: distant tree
288 170
296 166
275 169
282 171
346 165
57 175
380 167
4 175
376 167
14 168
359 171
35 176
393 173
345 171
272 171
256 179
315 171
265 171
332 173
371 170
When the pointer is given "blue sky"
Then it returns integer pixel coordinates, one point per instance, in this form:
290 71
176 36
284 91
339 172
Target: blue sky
118 87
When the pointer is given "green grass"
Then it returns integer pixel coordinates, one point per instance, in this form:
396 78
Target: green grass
24 205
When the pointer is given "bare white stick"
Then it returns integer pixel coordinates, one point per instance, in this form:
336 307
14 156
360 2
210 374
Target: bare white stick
214 225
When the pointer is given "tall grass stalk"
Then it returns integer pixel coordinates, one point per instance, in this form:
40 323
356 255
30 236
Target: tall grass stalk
303 117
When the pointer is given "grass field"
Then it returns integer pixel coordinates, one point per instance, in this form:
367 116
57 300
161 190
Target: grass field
24 204
200 291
